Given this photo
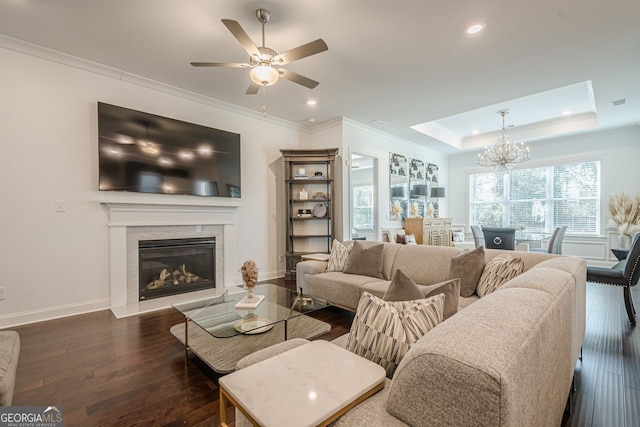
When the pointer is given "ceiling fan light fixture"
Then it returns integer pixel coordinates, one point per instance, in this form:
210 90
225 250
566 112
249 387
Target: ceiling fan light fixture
263 75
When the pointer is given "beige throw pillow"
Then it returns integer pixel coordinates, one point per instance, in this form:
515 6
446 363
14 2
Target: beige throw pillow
498 271
468 267
365 261
451 291
403 288
384 331
339 256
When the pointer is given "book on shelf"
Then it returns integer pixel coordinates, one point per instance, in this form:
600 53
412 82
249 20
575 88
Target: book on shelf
250 303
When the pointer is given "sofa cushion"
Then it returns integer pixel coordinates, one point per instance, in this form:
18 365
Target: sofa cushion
497 272
468 266
425 264
366 261
337 288
383 331
402 288
339 256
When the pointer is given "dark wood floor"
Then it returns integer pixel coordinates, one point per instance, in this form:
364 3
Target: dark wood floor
130 372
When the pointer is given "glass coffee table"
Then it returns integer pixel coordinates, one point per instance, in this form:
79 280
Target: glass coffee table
220 334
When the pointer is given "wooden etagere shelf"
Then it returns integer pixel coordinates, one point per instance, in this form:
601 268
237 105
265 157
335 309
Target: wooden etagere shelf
310 227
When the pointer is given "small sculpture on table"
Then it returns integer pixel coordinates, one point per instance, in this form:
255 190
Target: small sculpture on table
249 272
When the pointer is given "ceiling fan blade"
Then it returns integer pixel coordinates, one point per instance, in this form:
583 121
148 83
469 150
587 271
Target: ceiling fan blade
253 88
221 64
297 78
300 52
242 37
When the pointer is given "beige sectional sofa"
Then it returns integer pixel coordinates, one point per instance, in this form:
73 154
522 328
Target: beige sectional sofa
506 359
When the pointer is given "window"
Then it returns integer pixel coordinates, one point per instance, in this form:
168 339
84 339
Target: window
363 207
539 199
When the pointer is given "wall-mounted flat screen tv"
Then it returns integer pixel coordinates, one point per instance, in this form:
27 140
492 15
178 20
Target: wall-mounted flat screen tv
145 153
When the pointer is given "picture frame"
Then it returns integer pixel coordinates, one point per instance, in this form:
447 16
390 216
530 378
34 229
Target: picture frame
398 164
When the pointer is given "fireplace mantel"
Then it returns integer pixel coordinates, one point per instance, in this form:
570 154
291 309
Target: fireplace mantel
125 211
178 215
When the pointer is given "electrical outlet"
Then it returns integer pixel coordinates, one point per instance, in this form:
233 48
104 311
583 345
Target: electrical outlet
60 206
281 258
1 293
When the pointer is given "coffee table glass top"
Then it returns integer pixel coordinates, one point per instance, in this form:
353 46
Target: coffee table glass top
219 317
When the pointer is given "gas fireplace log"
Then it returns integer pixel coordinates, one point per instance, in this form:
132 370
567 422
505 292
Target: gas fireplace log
177 277
157 283
189 277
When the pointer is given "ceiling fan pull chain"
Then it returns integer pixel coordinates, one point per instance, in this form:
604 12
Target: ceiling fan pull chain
264 102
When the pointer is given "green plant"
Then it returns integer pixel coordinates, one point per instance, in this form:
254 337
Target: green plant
625 213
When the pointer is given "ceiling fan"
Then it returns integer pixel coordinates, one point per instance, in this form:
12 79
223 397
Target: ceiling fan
264 62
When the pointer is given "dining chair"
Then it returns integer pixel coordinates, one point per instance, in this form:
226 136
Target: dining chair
555 242
625 274
499 238
478 237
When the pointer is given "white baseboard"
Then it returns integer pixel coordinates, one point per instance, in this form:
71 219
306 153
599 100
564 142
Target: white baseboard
50 313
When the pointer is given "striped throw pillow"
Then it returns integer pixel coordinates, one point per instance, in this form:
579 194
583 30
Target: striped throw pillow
383 331
339 256
497 272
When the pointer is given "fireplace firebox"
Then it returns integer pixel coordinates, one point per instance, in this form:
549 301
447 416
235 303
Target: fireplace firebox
175 266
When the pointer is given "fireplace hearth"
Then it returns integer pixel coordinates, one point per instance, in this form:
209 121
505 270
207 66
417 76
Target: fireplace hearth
175 266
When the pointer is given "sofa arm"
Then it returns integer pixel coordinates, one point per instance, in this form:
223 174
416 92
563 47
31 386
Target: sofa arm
9 353
308 267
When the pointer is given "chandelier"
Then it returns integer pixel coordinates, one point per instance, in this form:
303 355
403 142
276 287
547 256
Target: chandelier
502 155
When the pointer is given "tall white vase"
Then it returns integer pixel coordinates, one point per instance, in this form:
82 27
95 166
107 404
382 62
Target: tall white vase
624 241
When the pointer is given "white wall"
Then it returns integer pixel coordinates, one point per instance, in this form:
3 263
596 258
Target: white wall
619 150
56 264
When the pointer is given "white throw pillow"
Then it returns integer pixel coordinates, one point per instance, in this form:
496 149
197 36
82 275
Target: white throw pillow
339 256
383 331
410 239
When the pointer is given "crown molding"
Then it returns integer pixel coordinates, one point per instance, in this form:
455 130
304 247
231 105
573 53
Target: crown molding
51 55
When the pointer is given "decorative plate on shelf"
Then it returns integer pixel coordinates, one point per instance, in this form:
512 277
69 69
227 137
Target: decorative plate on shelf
320 210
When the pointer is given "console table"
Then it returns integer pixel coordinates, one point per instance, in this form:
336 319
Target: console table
429 231
313 384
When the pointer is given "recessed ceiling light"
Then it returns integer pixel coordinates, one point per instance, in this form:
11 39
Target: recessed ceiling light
566 112
619 102
378 123
475 28
312 102
475 132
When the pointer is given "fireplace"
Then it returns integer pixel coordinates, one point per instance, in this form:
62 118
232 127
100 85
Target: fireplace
175 266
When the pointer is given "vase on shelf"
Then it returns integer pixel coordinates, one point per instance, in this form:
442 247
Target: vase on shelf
624 241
